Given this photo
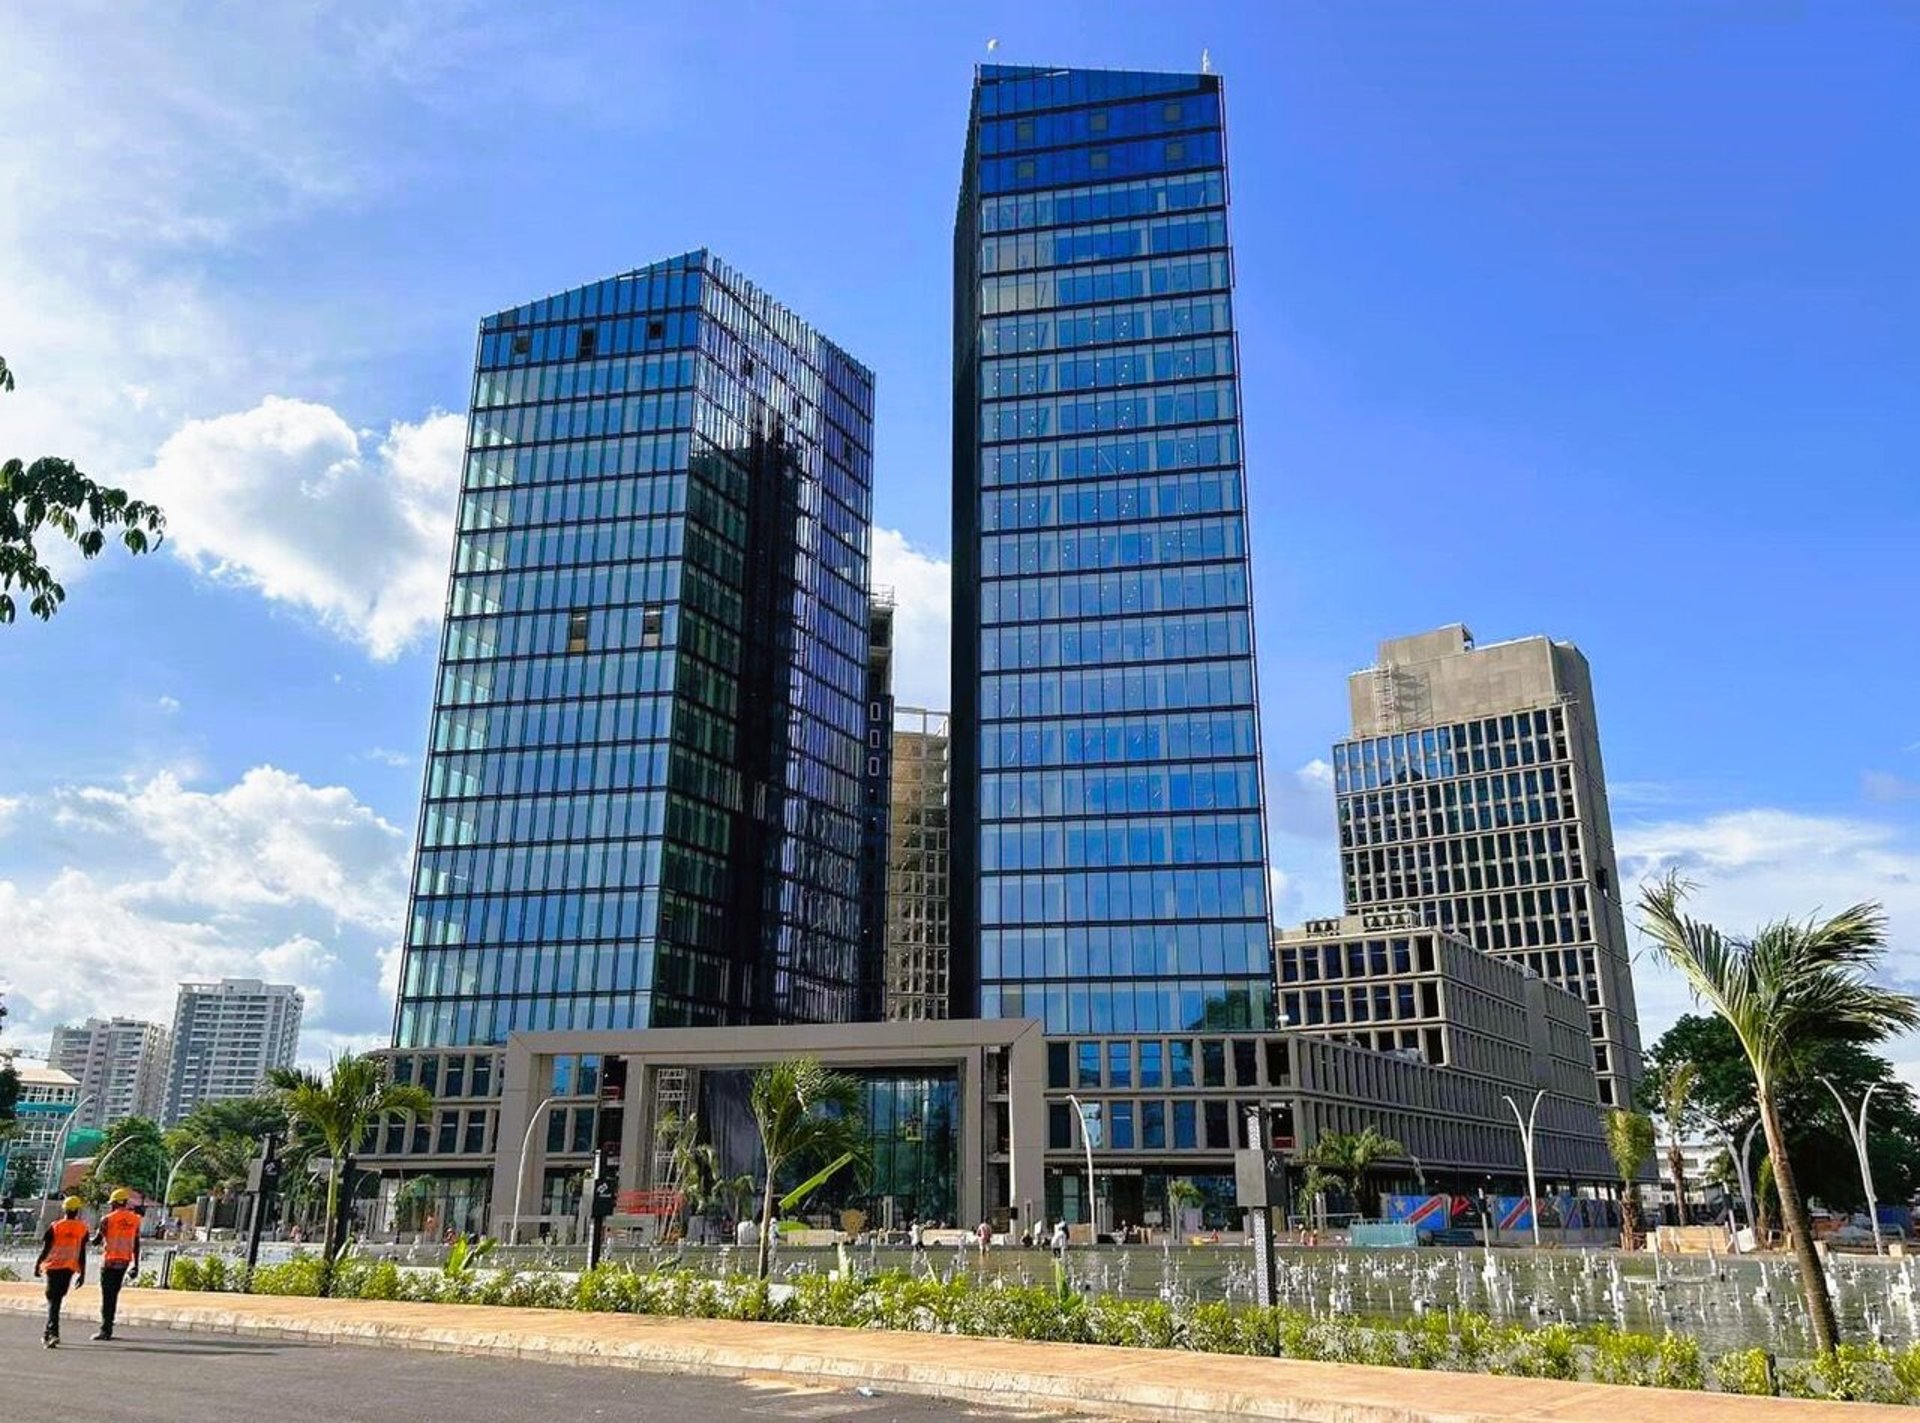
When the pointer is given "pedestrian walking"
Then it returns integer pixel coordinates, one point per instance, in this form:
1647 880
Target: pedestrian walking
119 1241
1060 1239
984 1234
63 1263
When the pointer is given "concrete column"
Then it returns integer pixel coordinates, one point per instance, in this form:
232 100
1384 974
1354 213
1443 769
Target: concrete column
1027 1120
634 1142
973 1112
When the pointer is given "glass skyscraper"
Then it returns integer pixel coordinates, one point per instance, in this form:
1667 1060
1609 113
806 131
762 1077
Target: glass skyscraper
1109 850
642 802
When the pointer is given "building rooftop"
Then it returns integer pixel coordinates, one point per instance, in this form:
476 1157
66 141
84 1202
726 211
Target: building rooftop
38 1074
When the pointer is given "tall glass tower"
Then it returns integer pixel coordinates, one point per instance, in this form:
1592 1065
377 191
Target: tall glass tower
642 802
1109 854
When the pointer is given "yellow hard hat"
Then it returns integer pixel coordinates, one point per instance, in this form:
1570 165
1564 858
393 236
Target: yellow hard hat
72 1203
121 1195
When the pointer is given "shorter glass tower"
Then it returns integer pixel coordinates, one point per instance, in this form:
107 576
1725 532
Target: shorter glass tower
643 791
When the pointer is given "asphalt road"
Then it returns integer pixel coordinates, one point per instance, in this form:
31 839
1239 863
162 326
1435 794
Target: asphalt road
166 1376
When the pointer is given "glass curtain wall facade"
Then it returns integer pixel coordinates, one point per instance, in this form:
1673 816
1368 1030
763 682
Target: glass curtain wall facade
642 799
1109 852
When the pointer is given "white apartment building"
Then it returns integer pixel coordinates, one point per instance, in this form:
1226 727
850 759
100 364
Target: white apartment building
226 1037
120 1064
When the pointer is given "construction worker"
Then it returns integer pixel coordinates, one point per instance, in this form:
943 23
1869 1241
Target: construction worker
119 1241
63 1261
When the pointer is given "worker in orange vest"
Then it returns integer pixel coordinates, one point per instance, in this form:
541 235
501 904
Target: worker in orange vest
63 1261
119 1241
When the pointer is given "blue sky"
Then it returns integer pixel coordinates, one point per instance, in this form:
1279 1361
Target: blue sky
1593 320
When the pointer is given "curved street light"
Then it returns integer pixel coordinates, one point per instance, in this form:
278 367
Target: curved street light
166 1191
520 1176
57 1162
1857 1129
1742 1157
1526 1143
1086 1140
112 1151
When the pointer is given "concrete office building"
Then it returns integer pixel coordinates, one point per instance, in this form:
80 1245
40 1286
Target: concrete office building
957 1110
1471 792
226 1037
120 1064
918 965
1491 1027
643 794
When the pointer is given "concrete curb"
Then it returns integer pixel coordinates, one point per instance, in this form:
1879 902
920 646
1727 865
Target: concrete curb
1131 1383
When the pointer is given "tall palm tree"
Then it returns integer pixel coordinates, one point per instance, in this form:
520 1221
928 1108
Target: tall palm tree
805 1112
1675 1104
339 1108
1790 982
1630 1141
1352 1158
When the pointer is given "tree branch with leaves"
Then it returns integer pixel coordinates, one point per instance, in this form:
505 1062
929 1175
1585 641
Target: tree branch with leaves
51 493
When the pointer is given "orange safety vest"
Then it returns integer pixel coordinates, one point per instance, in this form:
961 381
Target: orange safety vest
69 1248
120 1233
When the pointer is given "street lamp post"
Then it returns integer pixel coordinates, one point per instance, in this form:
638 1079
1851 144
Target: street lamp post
57 1163
1086 1140
1857 1129
520 1176
1526 1145
1743 1174
166 1191
112 1151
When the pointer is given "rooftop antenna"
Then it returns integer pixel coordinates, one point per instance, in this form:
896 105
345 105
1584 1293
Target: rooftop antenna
1206 61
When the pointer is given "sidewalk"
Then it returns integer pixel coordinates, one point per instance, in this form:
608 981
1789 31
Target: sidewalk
1129 1383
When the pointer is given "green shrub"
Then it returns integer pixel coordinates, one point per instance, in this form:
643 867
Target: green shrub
1743 1371
302 1275
1855 1373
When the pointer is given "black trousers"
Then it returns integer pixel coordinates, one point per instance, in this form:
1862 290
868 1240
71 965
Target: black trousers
111 1278
58 1283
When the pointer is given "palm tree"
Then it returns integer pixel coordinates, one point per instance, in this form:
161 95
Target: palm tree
1314 1186
693 1165
1790 982
804 1112
1350 1159
1630 1141
1674 1107
340 1108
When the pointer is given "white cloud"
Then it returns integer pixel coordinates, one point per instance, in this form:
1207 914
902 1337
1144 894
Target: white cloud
1753 866
9 808
169 705
287 498
269 877
380 755
1886 786
922 587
